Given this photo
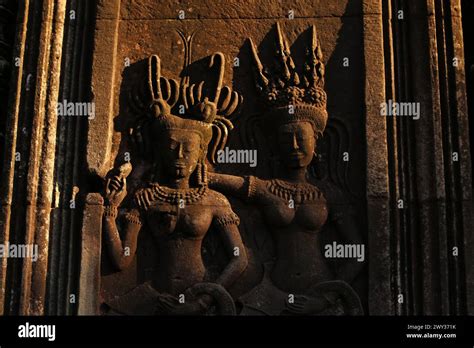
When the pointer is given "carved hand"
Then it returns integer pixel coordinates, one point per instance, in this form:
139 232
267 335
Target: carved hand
169 305
307 305
116 187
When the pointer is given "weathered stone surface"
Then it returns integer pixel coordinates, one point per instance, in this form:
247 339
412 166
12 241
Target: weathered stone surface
399 186
247 9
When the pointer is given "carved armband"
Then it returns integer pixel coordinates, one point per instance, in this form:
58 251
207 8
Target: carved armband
230 218
133 218
251 187
110 211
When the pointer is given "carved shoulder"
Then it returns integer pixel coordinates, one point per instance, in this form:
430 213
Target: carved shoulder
218 201
223 213
337 202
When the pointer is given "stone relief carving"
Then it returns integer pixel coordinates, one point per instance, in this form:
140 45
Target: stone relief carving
294 207
176 206
181 202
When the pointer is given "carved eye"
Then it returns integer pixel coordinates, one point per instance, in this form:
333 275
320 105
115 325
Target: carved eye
173 145
302 137
191 146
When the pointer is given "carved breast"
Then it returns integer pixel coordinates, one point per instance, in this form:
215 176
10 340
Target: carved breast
170 221
304 206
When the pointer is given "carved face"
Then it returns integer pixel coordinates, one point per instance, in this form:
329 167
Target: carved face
296 144
179 153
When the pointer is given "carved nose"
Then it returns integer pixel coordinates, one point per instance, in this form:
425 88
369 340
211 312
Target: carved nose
180 151
295 143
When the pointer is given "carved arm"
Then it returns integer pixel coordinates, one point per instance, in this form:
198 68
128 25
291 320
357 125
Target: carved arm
245 188
115 191
120 252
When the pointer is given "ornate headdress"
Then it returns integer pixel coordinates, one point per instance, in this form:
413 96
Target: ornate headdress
202 108
285 96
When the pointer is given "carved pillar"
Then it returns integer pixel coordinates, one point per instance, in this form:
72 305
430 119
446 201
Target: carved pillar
28 175
378 198
70 183
421 233
6 20
7 31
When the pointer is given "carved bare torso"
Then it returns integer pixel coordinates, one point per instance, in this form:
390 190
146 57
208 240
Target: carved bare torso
296 213
178 229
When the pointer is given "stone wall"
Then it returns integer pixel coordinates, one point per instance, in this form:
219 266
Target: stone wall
405 183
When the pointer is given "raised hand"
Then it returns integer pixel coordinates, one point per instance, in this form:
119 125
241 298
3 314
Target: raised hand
116 185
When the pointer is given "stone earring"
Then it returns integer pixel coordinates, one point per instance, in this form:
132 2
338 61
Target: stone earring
204 174
201 172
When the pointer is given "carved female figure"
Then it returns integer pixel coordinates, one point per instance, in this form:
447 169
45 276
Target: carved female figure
295 209
176 207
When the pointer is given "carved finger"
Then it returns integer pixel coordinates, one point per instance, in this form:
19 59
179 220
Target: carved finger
107 186
298 308
162 307
168 296
114 186
117 180
140 201
294 308
301 299
168 302
148 198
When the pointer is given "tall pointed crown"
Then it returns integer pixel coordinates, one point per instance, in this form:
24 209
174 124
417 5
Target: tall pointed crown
285 95
161 104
